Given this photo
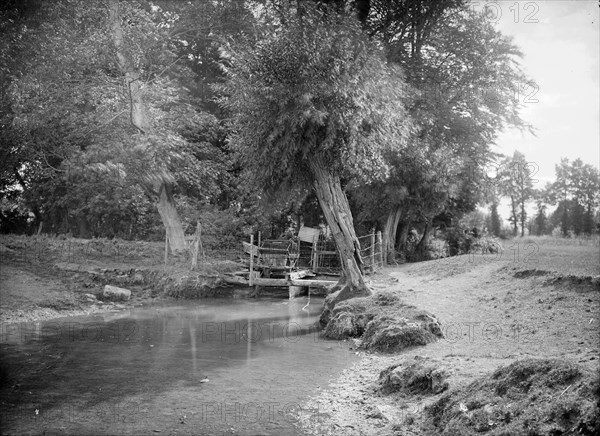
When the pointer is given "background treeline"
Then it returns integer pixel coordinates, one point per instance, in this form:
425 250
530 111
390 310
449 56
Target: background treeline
126 119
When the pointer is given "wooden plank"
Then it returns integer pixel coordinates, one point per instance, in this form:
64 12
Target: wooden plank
313 283
308 234
234 280
297 275
270 282
250 248
272 267
273 250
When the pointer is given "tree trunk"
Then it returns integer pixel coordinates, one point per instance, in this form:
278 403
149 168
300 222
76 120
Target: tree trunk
523 218
336 209
515 220
402 236
139 119
422 245
170 218
83 227
389 232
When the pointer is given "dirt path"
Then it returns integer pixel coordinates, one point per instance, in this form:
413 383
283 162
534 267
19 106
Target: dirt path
489 318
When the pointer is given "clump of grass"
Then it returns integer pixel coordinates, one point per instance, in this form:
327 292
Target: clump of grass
349 318
191 287
383 323
395 333
419 377
528 397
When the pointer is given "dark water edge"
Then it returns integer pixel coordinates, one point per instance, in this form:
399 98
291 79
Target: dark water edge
214 366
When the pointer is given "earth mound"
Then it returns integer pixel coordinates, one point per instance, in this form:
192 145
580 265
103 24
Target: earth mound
383 322
419 377
529 397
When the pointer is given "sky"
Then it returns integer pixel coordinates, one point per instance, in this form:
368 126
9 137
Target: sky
560 44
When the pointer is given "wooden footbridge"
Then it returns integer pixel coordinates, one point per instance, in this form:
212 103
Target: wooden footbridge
298 265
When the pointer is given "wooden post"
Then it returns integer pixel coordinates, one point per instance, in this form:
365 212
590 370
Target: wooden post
259 238
315 254
381 250
294 291
196 248
373 252
251 276
384 248
199 230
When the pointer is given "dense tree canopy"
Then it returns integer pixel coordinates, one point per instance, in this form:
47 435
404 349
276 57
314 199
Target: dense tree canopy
132 119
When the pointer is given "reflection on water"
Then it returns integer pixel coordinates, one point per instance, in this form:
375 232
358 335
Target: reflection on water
214 366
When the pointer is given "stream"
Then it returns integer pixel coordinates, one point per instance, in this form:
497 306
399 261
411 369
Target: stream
208 367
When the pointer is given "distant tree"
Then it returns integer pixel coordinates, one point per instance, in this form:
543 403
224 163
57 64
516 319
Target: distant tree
561 190
312 101
495 220
517 184
576 190
585 188
542 198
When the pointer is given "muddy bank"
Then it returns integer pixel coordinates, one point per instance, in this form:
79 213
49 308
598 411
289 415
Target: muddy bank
39 280
492 315
42 292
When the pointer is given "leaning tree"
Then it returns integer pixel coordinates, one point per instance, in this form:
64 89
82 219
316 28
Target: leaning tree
313 101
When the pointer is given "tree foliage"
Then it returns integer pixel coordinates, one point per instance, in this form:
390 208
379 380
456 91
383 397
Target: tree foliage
316 86
464 72
67 119
313 100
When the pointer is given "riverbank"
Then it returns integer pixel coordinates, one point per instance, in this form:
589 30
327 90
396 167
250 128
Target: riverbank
493 312
43 278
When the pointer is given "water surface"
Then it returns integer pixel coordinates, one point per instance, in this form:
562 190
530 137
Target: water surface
204 367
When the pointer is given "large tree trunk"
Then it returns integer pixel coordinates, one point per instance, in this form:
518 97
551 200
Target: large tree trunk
336 209
422 245
515 220
402 236
389 232
170 218
139 119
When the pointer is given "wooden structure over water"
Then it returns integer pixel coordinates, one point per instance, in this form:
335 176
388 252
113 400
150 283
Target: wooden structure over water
296 264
